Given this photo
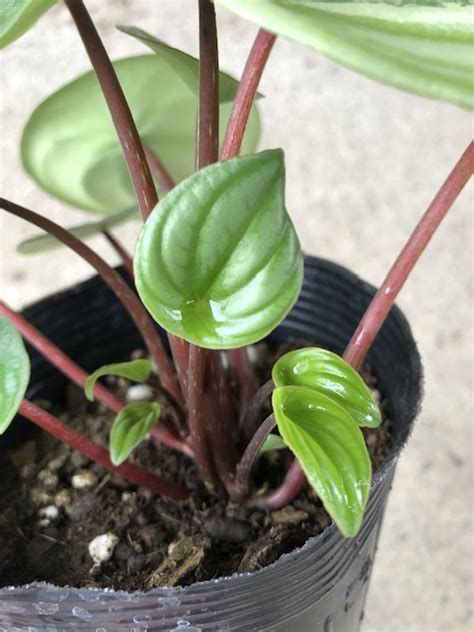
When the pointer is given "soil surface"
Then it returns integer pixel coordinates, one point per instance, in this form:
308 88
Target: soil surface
54 502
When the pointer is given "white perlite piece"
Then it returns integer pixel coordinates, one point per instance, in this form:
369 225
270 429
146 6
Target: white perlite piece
50 512
83 479
102 547
139 393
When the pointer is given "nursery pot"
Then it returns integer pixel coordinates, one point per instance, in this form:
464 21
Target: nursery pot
320 587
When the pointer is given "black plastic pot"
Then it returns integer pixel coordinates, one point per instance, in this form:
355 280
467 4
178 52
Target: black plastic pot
318 588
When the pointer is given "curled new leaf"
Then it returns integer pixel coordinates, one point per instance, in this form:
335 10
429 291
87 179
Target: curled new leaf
329 374
136 370
130 427
70 146
44 242
272 442
331 450
14 372
218 262
17 16
425 47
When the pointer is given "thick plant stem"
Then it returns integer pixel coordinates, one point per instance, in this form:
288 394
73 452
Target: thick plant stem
208 119
114 281
234 135
383 300
380 305
118 107
199 440
77 375
125 258
97 453
246 94
244 468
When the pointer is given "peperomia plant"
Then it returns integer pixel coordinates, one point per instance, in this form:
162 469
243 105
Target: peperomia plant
218 263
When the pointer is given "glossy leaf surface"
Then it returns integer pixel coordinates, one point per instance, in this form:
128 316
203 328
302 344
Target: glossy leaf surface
130 427
136 370
44 242
185 65
329 374
272 442
70 146
218 262
331 450
17 16
426 47
14 372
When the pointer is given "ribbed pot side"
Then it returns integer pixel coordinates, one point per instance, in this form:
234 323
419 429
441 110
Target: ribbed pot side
320 587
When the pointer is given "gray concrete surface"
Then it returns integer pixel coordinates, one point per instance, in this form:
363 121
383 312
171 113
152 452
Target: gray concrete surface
363 162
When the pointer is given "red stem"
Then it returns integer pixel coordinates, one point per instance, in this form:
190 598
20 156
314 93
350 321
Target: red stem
238 120
114 281
120 250
246 94
97 453
118 107
77 375
159 170
196 413
244 468
250 419
383 300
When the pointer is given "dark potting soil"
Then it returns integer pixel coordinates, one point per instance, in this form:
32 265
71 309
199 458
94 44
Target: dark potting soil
54 502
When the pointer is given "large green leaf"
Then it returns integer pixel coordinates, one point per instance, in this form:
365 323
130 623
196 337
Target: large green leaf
329 374
186 65
218 262
70 147
17 16
130 427
426 47
14 372
43 243
136 370
331 450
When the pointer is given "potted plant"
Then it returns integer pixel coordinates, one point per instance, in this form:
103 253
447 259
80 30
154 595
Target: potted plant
218 266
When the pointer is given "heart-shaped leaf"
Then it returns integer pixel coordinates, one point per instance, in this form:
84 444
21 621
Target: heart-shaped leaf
424 47
272 442
130 427
329 374
185 65
43 243
218 262
14 372
136 370
331 450
70 146
17 16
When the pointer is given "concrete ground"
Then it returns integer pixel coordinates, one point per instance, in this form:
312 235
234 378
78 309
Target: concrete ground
363 162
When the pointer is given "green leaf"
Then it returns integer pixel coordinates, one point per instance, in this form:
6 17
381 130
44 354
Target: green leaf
329 374
185 65
43 243
70 146
130 427
17 16
136 370
272 442
218 262
331 450
426 47
14 372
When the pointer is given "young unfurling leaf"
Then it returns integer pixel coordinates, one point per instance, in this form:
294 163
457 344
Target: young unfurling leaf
136 370
329 374
331 450
130 427
14 372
